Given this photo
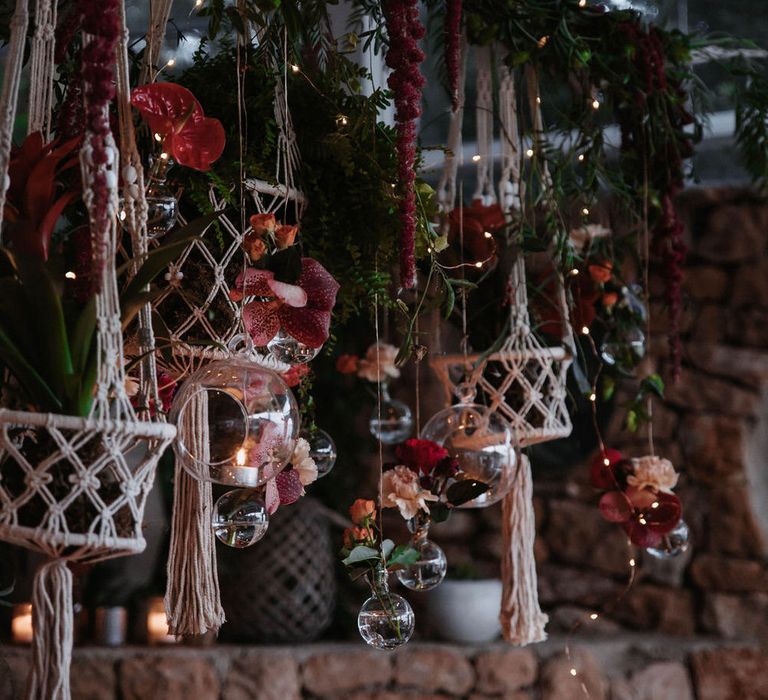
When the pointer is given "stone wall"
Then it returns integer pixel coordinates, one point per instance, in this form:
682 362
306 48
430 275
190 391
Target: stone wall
630 668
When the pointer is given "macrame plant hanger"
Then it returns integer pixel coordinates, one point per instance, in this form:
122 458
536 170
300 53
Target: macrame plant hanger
108 457
193 600
531 394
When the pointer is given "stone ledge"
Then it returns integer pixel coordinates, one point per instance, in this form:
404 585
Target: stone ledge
617 667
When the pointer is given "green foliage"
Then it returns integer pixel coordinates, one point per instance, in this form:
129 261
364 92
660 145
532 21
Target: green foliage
752 123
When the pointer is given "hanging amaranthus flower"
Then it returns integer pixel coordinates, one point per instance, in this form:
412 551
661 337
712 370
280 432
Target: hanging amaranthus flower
403 57
453 48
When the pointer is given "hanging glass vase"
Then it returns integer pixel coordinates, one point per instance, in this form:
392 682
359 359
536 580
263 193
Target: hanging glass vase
386 620
162 205
322 449
285 348
237 423
429 571
392 421
240 518
672 544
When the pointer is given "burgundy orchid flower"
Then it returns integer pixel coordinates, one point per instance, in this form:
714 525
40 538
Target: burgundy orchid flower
173 112
302 310
645 516
35 200
473 227
602 473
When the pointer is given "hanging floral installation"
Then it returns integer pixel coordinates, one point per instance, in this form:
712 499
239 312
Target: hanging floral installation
220 300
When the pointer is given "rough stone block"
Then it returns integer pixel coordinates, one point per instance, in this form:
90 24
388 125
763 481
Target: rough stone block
731 524
505 671
713 446
333 674
723 574
731 673
558 682
93 679
434 669
706 283
719 242
737 617
659 681
560 584
651 607
171 677
701 393
257 676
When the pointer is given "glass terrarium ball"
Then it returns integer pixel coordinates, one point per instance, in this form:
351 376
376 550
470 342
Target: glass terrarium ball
286 348
322 449
240 518
162 212
393 424
237 423
673 543
428 572
482 442
386 623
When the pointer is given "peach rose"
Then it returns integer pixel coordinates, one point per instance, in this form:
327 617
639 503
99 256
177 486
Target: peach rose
653 473
610 299
601 272
361 510
254 246
400 488
347 364
356 535
379 363
285 236
263 224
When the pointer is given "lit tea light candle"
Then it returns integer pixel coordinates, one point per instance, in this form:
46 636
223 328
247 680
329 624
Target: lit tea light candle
21 624
157 623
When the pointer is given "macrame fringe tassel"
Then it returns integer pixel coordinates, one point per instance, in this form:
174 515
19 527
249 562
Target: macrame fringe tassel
52 625
522 620
192 598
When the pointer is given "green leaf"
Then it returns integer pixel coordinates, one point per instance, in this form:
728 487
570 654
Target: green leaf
653 384
360 553
449 301
439 512
465 490
609 387
82 336
286 264
632 420
402 556
386 548
33 384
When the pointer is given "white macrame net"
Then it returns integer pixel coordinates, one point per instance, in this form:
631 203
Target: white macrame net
71 487
525 380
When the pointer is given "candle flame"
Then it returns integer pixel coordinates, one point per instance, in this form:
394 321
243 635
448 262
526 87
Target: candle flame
240 457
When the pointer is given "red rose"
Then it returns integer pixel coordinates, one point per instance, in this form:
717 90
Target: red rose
421 455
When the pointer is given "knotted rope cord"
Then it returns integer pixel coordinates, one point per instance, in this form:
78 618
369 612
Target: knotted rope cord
134 218
484 115
9 97
159 12
42 69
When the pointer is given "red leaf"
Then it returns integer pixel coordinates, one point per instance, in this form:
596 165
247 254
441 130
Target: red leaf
615 507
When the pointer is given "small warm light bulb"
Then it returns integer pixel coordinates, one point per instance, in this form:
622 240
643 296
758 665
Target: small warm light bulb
164 156
240 457
593 397
582 3
158 137
476 157
488 234
573 671
593 616
538 100
171 62
295 68
655 504
595 104
574 272
543 42
429 250
122 215
529 153
198 3
585 211
478 264
70 275
631 562
585 330
581 156
607 462
642 520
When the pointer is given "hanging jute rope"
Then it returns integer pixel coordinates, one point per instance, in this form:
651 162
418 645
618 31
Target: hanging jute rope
159 13
74 488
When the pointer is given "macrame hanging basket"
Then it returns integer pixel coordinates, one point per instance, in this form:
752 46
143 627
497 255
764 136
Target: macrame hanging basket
74 488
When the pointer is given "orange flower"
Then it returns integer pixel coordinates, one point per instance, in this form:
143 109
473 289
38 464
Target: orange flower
361 510
356 535
347 364
254 246
601 272
263 223
285 235
610 299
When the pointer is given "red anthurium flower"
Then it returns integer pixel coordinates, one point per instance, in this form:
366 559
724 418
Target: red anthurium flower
172 111
302 310
421 455
35 200
602 475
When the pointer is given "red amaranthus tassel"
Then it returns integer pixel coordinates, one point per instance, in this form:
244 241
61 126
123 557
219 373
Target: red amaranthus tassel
669 245
403 57
453 48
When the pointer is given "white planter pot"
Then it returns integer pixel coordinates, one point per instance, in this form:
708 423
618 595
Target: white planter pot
465 611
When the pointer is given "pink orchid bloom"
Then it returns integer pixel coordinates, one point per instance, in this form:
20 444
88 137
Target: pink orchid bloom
284 489
302 310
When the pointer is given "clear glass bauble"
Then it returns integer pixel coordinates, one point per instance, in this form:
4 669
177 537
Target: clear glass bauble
240 518
392 422
482 443
237 423
286 348
322 449
673 544
162 205
429 571
627 349
386 620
